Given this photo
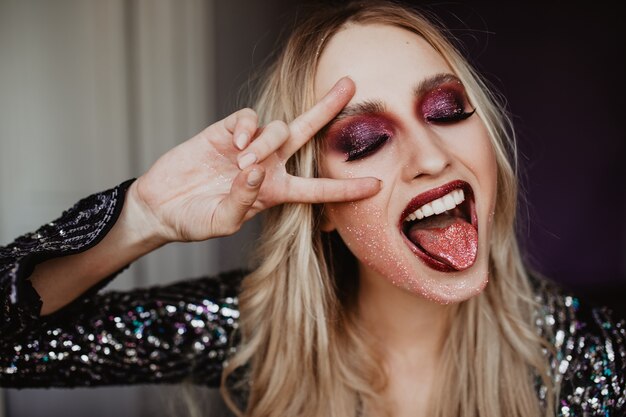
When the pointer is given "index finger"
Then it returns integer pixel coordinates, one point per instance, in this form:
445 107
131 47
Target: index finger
305 126
327 190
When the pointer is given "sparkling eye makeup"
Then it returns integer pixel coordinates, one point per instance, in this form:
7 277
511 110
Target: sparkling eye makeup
361 129
445 103
360 136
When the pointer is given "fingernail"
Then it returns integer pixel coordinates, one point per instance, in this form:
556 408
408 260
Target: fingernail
246 160
254 177
241 140
341 85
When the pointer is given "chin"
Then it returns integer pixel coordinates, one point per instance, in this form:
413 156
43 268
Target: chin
421 280
451 288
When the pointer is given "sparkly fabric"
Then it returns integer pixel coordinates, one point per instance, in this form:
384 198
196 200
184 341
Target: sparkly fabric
161 334
78 229
187 330
590 359
140 336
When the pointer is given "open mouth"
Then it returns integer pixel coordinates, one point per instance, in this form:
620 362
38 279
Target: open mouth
440 226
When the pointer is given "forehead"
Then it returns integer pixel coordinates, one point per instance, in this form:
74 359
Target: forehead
382 60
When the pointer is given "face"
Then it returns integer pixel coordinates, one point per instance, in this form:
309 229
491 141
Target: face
411 125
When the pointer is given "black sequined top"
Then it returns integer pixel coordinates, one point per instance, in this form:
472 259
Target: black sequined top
185 331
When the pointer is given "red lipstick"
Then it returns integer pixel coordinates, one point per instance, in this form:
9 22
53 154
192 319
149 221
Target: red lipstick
446 242
430 195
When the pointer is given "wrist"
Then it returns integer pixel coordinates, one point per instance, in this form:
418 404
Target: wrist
139 221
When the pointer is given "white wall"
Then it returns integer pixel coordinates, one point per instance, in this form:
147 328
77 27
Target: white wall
91 93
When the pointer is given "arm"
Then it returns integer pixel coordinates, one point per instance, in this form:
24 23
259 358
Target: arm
206 187
77 230
160 334
60 280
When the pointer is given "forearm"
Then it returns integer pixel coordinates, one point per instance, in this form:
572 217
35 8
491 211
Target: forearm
59 281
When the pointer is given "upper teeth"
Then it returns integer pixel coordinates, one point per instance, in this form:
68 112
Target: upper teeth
438 206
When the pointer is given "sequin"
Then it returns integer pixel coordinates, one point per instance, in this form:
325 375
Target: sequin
590 359
189 330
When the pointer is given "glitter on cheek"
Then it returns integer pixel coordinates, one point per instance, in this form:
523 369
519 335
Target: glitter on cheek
370 239
348 173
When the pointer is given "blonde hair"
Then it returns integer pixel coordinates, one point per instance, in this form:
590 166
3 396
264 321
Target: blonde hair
301 346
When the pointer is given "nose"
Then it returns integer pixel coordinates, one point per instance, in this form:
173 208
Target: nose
426 155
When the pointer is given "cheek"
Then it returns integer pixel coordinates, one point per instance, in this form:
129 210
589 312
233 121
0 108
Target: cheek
480 156
364 225
477 153
487 168
361 227
364 228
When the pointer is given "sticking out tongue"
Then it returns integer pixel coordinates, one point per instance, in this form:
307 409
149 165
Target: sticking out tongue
447 238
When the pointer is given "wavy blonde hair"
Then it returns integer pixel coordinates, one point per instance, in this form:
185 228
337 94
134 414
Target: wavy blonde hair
301 345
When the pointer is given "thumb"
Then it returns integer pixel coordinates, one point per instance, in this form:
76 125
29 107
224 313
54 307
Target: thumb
243 193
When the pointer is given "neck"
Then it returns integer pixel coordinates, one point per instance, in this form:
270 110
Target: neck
406 326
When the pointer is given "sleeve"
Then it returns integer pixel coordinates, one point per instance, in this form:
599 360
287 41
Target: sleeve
163 334
592 362
78 229
160 334
590 356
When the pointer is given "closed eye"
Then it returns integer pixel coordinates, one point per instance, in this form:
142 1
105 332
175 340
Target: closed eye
368 148
452 117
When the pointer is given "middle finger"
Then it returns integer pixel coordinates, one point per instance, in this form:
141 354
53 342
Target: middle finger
305 126
272 137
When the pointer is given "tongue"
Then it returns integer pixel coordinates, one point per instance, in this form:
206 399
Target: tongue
446 238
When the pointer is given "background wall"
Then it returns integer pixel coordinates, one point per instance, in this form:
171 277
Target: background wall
92 92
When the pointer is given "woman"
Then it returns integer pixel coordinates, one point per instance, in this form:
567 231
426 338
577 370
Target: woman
401 294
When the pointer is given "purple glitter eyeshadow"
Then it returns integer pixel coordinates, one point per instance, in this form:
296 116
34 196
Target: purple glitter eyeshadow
361 136
443 102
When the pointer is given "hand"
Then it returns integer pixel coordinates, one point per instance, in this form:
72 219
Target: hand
211 184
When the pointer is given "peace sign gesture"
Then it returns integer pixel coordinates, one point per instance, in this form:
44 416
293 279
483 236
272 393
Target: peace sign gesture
211 184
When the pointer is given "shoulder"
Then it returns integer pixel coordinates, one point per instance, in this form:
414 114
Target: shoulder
589 356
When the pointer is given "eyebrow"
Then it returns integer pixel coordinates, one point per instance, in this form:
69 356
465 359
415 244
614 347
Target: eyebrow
366 107
434 81
377 106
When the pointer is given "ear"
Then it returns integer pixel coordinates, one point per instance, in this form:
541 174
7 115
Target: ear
326 224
